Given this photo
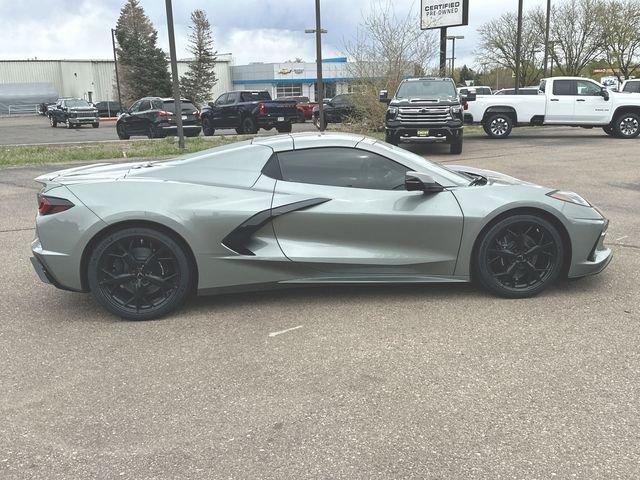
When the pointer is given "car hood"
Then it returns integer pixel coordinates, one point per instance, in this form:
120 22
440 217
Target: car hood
495 178
91 173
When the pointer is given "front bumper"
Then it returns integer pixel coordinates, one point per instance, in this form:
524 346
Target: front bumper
598 258
83 120
414 132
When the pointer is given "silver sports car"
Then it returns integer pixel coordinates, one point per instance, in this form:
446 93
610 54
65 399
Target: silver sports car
298 210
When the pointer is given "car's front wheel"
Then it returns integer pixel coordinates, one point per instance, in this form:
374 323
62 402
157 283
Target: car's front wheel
207 127
52 121
139 273
121 130
519 256
498 125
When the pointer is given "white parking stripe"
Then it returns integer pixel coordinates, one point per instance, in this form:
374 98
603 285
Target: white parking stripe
274 334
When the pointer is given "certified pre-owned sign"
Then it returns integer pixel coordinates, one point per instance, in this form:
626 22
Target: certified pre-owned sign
444 13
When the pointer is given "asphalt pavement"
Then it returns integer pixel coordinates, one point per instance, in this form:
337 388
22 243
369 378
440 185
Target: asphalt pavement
335 382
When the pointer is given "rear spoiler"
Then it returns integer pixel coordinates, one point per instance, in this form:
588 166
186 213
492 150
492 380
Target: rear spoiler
51 176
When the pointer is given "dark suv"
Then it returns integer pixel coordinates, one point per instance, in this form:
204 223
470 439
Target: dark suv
154 117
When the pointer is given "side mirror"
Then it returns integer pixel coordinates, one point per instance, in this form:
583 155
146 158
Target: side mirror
383 96
417 181
605 94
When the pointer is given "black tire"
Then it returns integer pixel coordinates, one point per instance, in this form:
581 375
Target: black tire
207 127
69 125
627 125
316 123
301 118
498 125
608 130
248 126
391 138
455 147
121 130
95 124
519 256
52 121
151 132
284 128
139 273
192 133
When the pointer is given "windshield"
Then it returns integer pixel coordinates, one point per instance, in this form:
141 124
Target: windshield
440 89
77 103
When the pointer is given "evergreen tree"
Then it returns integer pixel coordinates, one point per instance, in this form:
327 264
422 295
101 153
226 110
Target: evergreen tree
142 64
197 82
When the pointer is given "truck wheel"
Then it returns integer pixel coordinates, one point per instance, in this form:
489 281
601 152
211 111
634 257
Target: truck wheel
391 138
95 124
455 147
284 128
608 130
207 127
248 126
53 122
69 125
498 125
627 125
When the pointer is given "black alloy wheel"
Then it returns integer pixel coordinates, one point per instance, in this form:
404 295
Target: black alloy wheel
207 127
249 126
519 256
139 273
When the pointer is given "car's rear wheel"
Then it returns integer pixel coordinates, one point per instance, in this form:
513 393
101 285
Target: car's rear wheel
284 128
498 125
69 124
52 121
139 273
627 125
248 126
207 127
519 256
121 130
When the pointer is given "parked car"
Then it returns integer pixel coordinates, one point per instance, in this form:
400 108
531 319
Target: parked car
339 108
426 109
154 117
481 90
73 112
323 209
521 91
304 106
248 111
571 101
108 109
631 86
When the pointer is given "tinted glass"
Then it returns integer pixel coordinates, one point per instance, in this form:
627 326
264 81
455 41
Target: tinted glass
564 87
588 89
483 91
187 107
426 88
221 99
342 167
145 105
77 103
255 96
633 87
135 106
341 100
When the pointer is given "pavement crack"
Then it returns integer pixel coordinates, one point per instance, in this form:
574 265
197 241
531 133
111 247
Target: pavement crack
626 245
25 229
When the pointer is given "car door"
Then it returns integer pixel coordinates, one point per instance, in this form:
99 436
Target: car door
216 111
360 220
591 107
561 102
128 118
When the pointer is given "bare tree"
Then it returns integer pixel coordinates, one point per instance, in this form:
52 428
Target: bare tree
620 25
577 34
497 46
387 48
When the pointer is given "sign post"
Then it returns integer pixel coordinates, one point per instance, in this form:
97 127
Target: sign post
442 14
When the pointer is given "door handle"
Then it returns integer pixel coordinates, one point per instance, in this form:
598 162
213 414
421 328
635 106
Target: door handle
581 100
554 100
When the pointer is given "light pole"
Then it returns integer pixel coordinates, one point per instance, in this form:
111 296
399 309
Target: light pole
319 83
174 73
518 47
546 38
453 38
115 61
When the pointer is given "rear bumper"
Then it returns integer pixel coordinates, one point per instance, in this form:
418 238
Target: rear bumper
44 274
272 121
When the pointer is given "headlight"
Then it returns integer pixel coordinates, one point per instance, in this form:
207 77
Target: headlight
456 109
392 111
570 197
73 115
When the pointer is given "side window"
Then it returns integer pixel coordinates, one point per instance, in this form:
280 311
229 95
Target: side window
564 87
231 98
543 85
342 167
587 89
157 104
633 87
221 99
145 105
136 106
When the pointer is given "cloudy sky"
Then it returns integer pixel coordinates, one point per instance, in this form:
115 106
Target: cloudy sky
252 30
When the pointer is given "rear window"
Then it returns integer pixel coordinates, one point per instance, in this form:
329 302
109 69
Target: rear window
254 96
633 87
186 107
564 87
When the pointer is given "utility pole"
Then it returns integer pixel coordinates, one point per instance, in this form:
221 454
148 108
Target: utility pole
546 38
319 83
115 61
443 51
453 38
174 73
518 47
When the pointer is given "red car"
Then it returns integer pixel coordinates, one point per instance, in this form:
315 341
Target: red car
304 107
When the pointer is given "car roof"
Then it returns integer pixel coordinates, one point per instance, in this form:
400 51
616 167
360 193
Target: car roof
417 79
302 140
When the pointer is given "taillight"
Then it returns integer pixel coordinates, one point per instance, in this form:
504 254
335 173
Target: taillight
465 105
163 113
50 205
262 109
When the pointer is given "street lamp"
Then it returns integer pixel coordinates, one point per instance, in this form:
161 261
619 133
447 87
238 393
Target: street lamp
319 85
174 74
453 50
518 47
115 61
546 38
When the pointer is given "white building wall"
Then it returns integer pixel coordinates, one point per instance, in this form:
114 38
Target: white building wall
76 78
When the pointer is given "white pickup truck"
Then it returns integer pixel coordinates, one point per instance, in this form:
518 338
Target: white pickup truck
572 101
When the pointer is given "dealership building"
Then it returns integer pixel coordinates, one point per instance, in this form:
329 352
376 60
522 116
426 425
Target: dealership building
25 83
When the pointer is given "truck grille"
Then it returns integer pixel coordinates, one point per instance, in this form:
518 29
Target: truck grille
424 115
85 114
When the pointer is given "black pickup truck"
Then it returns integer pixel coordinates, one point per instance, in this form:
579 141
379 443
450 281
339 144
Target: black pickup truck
426 109
74 112
248 111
